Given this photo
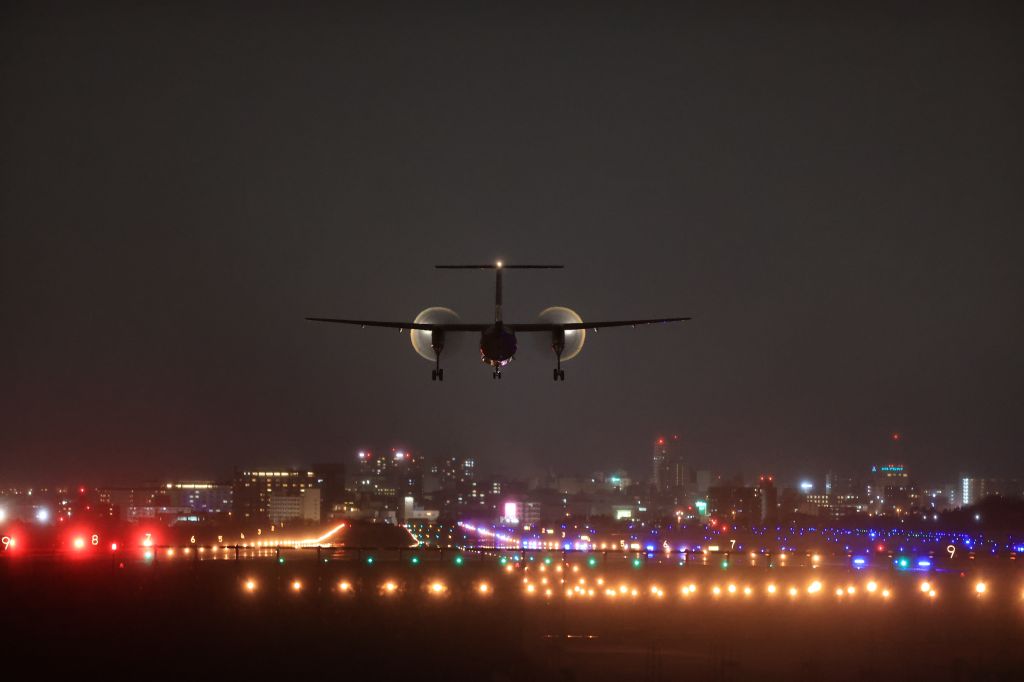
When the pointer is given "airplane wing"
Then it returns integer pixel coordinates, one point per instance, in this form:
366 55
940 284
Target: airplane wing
455 327
550 327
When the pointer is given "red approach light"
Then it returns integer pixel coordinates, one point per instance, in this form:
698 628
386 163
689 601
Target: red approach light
880 547
661 441
79 543
896 436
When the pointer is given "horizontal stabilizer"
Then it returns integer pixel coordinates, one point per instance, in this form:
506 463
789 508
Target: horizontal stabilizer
499 266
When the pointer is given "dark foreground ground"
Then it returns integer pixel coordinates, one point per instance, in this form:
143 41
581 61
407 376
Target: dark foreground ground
198 620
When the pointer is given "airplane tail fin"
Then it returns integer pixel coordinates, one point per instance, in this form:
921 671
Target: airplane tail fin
498 267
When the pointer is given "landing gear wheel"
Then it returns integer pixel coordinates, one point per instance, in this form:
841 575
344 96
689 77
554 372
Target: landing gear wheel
561 374
433 375
440 375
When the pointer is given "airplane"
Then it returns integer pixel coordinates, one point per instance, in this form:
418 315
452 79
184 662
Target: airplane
431 327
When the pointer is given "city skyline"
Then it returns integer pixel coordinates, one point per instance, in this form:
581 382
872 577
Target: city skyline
637 464
390 480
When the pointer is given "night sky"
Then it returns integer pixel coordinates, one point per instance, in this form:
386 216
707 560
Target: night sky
835 195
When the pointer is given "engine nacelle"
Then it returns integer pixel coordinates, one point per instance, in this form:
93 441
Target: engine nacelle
427 343
571 340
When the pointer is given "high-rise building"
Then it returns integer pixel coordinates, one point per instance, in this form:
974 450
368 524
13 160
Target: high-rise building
972 490
735 504
252 489
388 478
330 478
457 490
838 484
290 506
667 464
889 489
769 500
202 497
454 472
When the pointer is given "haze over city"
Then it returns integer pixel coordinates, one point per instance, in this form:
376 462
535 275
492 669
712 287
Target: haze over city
830 193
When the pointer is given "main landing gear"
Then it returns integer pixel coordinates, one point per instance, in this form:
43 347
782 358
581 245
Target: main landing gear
437 374
558 345
496 374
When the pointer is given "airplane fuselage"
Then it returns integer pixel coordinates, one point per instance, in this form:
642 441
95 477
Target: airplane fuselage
497 345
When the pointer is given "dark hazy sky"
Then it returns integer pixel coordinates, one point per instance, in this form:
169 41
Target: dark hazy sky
834 194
